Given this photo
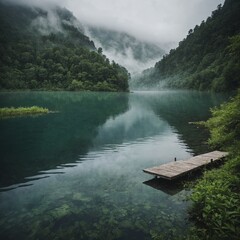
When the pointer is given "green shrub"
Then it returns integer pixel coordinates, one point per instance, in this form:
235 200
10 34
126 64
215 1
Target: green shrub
216 197
224 125
11 112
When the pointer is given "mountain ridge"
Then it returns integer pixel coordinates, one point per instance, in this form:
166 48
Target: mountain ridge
47 49
207 59
129 51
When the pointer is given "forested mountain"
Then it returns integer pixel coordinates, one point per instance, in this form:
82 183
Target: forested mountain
46 49
132 53
207 59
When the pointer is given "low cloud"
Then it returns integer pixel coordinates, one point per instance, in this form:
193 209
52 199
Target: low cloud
133 65
46 25
159 21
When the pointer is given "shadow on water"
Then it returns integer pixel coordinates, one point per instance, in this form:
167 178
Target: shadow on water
169 187
173 187
29 145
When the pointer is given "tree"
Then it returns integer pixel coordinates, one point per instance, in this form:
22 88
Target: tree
100 50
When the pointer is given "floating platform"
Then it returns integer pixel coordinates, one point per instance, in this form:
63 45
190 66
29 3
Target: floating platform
176 169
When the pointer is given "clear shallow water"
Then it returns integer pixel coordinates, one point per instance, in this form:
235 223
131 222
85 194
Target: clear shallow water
77 173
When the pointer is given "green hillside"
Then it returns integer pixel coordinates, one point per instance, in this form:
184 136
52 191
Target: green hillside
208 58
47 49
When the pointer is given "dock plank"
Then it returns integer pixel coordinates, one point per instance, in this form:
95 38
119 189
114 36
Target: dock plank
176 169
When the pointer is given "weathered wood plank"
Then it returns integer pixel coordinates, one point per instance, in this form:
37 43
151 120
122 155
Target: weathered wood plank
173 170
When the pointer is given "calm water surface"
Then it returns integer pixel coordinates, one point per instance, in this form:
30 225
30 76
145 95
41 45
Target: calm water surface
77 173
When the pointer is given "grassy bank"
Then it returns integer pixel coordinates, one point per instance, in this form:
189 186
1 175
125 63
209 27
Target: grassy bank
216 197
21 111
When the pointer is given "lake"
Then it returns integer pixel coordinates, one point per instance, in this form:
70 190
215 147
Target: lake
77 173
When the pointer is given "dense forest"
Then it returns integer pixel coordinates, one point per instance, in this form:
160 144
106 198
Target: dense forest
48 50
208 58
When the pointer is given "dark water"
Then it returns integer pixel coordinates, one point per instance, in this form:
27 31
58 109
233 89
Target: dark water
77 173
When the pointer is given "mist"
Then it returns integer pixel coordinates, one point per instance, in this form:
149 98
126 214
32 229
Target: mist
133 65
159 21
135 55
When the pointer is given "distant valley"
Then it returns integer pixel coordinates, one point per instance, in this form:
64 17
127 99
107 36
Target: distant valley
132 53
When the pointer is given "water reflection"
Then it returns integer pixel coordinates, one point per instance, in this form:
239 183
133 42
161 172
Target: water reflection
29 145
83 166
137 124
88 121
101 196
178 108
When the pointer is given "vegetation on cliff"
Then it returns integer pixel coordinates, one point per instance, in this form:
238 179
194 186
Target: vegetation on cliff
46 49
207 59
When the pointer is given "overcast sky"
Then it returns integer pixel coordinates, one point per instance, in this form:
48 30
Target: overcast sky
160 21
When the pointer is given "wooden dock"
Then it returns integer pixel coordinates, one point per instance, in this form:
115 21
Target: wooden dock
176 169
